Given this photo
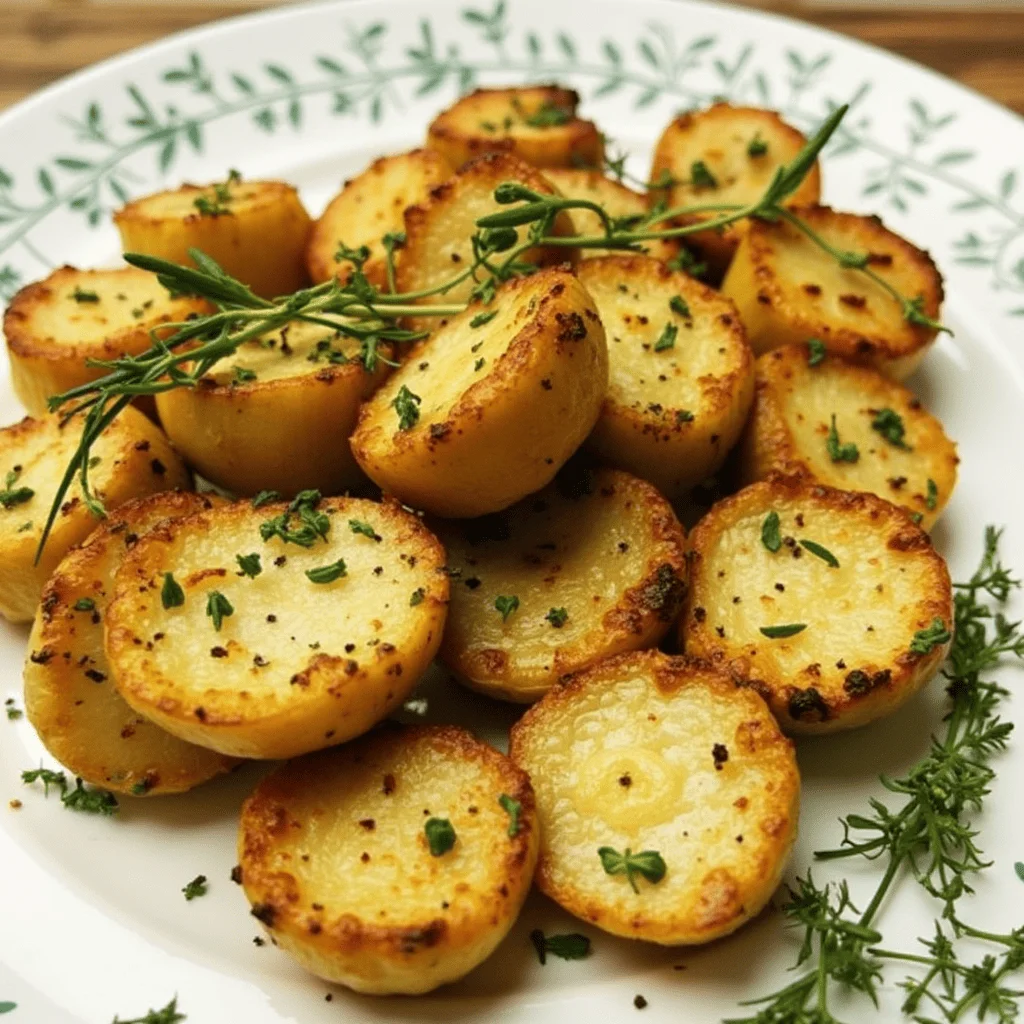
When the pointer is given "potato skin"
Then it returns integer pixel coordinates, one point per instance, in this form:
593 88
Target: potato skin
853 662
652 752
369 206
69 696
287 430
544 551
50 335
299 665
136 459
786 432
168 224
719 136
788 290
535 401
495 121
672 416
411 921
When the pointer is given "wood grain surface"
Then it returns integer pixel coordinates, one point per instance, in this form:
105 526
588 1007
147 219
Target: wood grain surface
42 40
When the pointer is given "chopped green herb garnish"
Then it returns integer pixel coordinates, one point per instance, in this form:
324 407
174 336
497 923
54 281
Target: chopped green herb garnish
328 573
11 495
13 712
932 498
478 365
816 351
838 452
264 498
934 636
483 318
85 604
406 404
679 305
47 777
218 608
667 338
684 416
197 887
217 204
548 115
889 424
311 525
168 1015
241 375
781 632
571 946
82 295
771 536
557 617
250 565
823 553
90 801
647 863
687 263
417 597
757 146
513 808
171 594
506 605
361 527
440 835
701 177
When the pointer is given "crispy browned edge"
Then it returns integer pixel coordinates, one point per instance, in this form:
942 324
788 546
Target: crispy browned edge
275 896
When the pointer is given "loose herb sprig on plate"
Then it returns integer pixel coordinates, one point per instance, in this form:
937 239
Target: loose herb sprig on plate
925 835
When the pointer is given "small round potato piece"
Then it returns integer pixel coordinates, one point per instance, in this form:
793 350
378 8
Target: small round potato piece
597 564
336 861
680 372
537 123
438 232
789 290
903 453
367 208
741 148
486 410
841 624
277 413
69 696
647 753
132 458
617 201
53 326
295 663
256 230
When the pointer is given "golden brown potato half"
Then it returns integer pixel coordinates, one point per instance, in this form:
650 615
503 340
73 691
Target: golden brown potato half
837 612
438 231
395 864
617 201
256 230
312 641
900 449
69 696
665 758
53 326
367 208
277 414
726 154
593 565
536 123
680 372
132 458
789 290
486 410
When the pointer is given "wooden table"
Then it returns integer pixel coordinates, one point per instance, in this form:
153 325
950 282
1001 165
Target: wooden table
41 40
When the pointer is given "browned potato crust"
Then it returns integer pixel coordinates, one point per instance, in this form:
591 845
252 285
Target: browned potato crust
536 123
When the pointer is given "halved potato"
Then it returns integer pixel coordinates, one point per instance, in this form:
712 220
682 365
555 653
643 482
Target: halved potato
486 410
788 290
902 452
680 372
596 565
256 230
726 154
53 326
343 614
69 696
438 232
395 864
132 458
368 207
663 757
276 414
537 123
837 612
617 201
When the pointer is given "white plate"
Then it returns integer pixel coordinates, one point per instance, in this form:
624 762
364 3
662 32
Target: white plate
92 920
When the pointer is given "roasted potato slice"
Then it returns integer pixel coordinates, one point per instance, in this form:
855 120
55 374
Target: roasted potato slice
130 459
536 123
256 230
69 696
662 759
368 207
438 231
834 606
726 154
900 449
276 414
614 198
591 566
53 326
486 410
404 860
680 372
788 290
274 647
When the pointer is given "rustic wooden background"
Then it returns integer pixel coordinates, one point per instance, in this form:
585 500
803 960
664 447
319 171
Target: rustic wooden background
41 40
